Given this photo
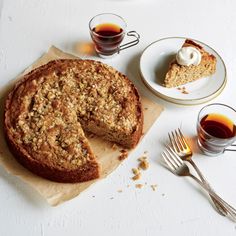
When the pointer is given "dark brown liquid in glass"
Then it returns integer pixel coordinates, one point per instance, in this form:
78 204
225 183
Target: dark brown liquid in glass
107 37
218 126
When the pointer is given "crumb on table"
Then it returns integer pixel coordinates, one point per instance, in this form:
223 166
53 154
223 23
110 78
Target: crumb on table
135 171
139 185
137 176
142 158
144 164
154 187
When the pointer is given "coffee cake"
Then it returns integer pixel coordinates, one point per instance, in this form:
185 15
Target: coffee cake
51 108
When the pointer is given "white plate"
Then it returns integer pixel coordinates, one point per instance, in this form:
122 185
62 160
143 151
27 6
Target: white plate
154 64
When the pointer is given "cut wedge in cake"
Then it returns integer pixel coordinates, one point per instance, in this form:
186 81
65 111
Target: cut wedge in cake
48 111
181 74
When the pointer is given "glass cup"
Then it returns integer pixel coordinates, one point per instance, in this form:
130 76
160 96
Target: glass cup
216 128
107 31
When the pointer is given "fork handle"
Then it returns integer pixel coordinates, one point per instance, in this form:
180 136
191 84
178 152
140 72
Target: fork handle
220 208
231 210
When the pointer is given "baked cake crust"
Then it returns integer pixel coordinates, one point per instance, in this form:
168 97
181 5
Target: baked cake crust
178 74
49 109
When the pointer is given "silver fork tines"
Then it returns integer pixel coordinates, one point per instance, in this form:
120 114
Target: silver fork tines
174 163
179 143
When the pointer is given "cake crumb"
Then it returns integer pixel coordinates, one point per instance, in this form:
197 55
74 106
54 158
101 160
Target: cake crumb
123 155
142 158
144 164
154 187
137 174
135 171
136 177
185 92
138 185
119 191
128 185
145 108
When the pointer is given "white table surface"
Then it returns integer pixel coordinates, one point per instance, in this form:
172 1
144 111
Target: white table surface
178 207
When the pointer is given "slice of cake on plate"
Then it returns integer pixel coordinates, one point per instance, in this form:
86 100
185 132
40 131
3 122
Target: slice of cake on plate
192 62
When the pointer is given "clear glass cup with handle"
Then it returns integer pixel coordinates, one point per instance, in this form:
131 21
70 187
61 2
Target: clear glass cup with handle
107 31
216 128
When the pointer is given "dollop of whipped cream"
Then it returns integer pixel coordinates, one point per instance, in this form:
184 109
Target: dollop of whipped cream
187 56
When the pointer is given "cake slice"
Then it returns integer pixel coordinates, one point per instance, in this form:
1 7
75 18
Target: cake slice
181 74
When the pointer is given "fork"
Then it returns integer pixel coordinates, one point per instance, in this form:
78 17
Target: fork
181 147
179 168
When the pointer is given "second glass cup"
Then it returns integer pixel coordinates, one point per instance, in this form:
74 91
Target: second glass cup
107 31
216 128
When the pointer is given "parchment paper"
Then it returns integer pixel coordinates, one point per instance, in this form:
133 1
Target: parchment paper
108 156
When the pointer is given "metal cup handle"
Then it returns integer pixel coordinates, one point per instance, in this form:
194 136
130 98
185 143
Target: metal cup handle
231 148
131 43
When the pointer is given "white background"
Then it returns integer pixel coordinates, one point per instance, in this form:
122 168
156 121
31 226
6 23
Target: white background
178 207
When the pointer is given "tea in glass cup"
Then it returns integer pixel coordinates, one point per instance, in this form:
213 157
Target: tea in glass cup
216 128
107 31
